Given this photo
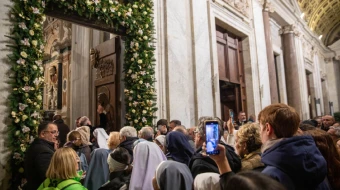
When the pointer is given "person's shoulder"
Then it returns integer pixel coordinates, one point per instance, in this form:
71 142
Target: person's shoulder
76 186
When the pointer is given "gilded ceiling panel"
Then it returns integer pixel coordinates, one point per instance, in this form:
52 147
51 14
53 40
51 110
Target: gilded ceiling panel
323 17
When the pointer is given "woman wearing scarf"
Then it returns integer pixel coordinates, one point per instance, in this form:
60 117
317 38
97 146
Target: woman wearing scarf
98 172
179 149
148 155
120 170
172 175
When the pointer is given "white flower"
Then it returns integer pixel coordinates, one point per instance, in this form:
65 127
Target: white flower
31 32
134 6
13 113
26 88
112 10
16 120
104 10
88 2
25 42
43 4
132 44
128 13
138 96
31 138
137 44
25 78
34 67
39 62
119 13
146 26
42 47
34 122
135 103
130 71
140 82
17 133
21 61
147 85
16 155
133 76
132 59
23 148
34 42
140 32
110 1
140 61
22 106
135 55
130 98
145 13
22 25
96 2
35 114
24 117
142 73
25 129
144 120
35 10
145 37
144 111
23 54
36 82
133 111
136 121
39 97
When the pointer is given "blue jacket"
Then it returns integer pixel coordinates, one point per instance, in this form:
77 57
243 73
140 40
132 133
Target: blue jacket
297 163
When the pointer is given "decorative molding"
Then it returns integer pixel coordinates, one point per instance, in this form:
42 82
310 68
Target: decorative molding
267 6
241 6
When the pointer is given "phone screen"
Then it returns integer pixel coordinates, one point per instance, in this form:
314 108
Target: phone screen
212 137
231 115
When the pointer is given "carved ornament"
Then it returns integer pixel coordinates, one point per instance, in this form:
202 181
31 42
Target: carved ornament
105 67
290 29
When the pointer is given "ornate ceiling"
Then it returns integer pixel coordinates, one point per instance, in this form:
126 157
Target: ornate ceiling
323 17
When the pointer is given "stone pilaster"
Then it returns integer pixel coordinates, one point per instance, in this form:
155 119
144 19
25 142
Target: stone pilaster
270 53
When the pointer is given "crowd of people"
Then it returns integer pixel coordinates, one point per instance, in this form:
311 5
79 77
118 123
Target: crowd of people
278 152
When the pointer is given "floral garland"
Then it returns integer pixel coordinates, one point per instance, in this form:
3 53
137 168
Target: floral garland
25 100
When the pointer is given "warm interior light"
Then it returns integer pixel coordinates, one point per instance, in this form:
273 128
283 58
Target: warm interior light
320 37
302 15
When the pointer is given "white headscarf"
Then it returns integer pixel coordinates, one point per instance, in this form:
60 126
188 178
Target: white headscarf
161 139
207 181
101 137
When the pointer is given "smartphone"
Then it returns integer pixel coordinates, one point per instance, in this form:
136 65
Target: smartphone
212 136
231 115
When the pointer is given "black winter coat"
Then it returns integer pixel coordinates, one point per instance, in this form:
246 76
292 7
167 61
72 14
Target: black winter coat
63 131
202 164
37 160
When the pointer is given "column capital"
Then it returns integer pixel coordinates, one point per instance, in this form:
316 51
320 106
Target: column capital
290 29
267 6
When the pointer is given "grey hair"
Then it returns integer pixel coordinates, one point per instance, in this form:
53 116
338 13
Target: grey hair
83 121
128 131
146 133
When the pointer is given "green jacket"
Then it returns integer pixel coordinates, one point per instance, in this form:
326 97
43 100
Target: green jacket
69 184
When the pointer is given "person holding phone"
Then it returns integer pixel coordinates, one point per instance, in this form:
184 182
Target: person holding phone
200 164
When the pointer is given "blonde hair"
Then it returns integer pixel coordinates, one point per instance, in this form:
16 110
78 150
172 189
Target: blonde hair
63 164
113 140
250 134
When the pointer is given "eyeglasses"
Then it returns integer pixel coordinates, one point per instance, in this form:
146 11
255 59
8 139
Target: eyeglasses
53 132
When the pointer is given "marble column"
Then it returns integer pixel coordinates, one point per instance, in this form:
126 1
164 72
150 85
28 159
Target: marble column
270 53
291 68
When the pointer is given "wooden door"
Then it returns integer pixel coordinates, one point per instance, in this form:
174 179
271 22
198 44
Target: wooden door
231 73
105 60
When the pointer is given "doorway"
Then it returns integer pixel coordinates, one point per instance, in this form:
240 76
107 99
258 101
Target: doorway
231 73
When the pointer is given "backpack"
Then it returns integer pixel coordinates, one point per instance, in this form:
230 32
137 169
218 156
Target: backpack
47 185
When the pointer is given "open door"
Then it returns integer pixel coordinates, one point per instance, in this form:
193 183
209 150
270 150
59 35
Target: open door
105 59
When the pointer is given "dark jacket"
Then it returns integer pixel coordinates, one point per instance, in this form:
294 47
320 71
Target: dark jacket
297 163
201 164
63 131
117 180
84 149
37 160
128 145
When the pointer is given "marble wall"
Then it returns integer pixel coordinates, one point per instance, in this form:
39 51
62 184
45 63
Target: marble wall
4 90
